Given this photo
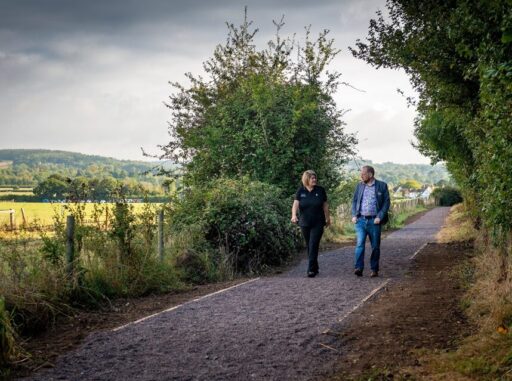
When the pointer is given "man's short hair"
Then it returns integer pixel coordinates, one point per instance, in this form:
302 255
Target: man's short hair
369 169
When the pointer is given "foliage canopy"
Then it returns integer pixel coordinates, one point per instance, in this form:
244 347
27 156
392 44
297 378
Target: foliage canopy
260 113
458 55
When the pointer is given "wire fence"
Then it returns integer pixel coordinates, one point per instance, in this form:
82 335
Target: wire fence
21 222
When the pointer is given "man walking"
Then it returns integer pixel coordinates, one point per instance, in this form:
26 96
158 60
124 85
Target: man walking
370 206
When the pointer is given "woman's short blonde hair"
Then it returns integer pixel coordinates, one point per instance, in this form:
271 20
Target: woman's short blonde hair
306 176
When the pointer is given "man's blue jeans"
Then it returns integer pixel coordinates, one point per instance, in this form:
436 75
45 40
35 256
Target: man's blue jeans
366 227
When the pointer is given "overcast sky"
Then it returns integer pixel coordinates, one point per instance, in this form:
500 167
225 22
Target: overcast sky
92 76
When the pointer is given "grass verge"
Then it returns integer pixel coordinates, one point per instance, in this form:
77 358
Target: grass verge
485 354
342 231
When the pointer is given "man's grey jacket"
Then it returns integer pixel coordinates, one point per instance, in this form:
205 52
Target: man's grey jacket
382 196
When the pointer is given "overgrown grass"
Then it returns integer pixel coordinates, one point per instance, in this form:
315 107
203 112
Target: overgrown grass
338 233
113 258
458 226
486 354
216 233
10 350
398 220
342 230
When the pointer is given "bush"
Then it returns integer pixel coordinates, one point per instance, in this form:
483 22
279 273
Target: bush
447 196
244 224
121 260
8 345
115 255
20 198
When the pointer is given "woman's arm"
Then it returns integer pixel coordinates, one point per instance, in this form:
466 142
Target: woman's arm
327 215
295 208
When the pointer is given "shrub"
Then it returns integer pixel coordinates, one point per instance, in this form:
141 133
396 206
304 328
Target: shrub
115 255
121 260
7 336
245 225
19 198
32 291
447 196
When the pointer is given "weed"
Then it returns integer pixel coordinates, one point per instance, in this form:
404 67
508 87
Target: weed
459 226
9 348
487 277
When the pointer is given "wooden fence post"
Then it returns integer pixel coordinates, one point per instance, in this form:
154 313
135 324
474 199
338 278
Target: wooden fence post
106 218
11 219
24 218
161 234
70 245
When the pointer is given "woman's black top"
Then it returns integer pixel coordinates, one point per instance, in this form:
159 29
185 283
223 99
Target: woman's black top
311 206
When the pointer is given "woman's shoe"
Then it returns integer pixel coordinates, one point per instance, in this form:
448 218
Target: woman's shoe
311 274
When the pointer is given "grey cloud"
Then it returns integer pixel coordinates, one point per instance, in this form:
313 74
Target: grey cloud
91 75
62 16
62 30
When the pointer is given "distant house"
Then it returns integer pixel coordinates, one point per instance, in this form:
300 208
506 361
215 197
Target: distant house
413 194
426 192
402 191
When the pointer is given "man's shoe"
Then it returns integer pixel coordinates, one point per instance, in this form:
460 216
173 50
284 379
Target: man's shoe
374 274
311 274
358 272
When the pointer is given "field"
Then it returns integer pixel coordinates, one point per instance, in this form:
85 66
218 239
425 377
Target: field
41 212
4 191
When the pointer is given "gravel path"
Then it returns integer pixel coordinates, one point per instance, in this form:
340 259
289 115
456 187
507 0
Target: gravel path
273 328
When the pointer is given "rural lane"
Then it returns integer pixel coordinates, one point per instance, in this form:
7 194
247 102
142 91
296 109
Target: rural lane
272 328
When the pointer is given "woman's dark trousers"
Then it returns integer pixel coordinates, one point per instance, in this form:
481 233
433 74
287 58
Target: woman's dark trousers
312 235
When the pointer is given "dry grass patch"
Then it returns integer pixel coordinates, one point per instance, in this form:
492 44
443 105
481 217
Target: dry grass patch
491 293
339 233
486 354
458 226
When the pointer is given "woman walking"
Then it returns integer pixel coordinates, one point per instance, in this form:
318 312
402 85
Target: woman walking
311 203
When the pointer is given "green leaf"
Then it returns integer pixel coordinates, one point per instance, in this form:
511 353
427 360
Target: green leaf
507 36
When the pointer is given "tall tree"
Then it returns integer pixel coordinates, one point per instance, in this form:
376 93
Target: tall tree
458 55
54 187
260 113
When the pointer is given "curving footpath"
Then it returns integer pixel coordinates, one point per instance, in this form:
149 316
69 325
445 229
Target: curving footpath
273 328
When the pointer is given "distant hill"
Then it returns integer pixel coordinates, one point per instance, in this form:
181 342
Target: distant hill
34 157
393 173
27 167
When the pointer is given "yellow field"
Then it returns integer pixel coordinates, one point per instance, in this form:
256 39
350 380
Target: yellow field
40 211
